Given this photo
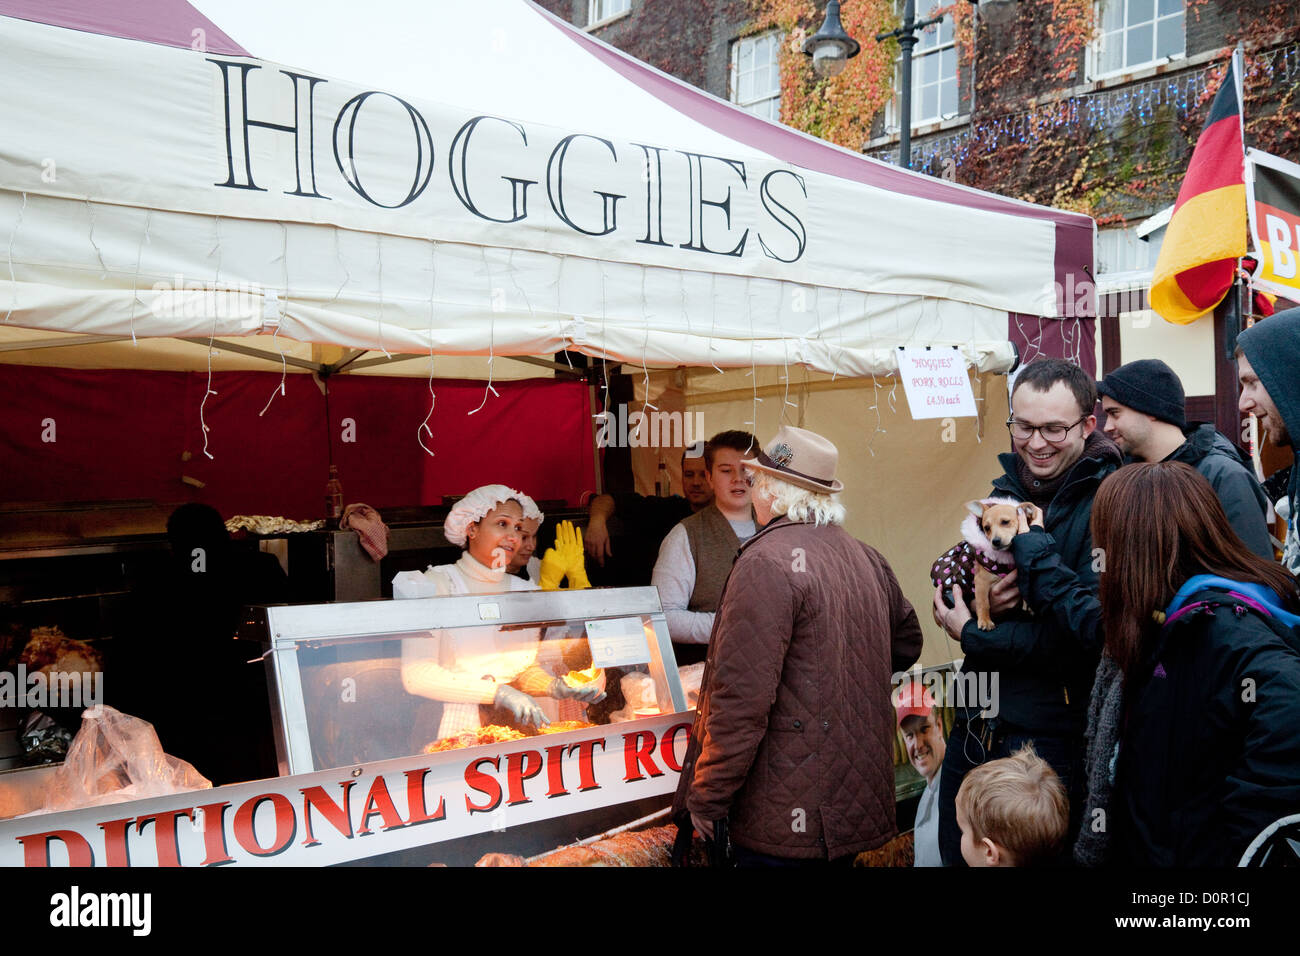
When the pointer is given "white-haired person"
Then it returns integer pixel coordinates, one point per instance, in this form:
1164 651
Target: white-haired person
473 666
792 743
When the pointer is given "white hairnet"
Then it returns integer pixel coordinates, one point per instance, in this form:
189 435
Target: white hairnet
475 505
530 507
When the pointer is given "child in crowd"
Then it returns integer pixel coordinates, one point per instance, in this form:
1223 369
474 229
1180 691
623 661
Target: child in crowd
1012 812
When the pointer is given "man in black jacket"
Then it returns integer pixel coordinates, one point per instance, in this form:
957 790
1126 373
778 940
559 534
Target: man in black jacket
1145 417
1268 354
1041 665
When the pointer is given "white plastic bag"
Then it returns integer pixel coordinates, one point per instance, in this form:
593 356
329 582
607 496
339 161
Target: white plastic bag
116 757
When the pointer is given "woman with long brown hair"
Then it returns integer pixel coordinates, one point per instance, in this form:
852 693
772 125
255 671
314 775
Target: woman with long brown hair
1194 715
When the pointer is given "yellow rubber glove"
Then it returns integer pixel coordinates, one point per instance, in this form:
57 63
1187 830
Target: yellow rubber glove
565 560
569 541
551 572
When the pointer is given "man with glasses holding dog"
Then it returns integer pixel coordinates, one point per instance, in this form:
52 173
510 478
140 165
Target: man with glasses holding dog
1044 661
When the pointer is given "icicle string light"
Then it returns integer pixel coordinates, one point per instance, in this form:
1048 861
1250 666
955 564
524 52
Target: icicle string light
275 339
713 299
284 371
338 254
216 284
433 289
13 283
753 379
99 253
379 272
874 407
492 311
567 341
645 344
1098 110
208 390
604 342
135 279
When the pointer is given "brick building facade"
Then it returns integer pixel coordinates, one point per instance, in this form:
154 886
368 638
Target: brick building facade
1092 105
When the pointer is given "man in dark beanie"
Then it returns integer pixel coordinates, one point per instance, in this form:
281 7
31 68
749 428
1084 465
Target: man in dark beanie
1143 402
1268 356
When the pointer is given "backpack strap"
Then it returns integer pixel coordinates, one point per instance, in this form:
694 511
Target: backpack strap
1211 599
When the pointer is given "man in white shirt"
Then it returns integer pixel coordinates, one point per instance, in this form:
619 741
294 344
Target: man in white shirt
922 729
696 556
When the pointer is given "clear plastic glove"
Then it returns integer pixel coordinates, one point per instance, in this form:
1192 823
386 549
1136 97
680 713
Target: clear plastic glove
583 693
523 707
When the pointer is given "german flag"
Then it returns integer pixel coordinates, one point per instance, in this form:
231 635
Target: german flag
1207 234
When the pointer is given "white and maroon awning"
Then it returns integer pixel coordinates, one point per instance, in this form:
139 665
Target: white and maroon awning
375 175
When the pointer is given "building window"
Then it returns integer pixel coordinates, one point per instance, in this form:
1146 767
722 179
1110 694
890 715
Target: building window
599 10
934 73
1136 33
756 75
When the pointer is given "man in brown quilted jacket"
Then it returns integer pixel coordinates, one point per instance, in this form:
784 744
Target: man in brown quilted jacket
793 738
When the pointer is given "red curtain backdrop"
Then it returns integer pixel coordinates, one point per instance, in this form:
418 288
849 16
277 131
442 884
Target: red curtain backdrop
125 434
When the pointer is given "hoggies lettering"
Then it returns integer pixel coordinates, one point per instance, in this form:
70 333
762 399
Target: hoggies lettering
386 152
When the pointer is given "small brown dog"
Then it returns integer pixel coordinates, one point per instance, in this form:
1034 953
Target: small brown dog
972 567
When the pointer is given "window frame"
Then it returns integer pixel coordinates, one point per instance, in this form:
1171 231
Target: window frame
893 106
733 74
593 6
1096 49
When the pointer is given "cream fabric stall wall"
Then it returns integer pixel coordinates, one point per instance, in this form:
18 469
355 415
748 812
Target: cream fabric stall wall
906 481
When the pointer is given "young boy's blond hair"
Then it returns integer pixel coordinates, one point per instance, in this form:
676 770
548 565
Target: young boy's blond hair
1019 806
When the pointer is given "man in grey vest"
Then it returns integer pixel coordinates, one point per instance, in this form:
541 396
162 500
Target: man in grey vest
696 556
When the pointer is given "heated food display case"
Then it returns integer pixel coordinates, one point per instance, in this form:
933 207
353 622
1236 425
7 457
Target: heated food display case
341 674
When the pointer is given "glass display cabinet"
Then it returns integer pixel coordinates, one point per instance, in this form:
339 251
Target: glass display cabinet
356 683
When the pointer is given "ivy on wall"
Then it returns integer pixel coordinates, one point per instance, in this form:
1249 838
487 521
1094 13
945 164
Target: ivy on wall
839 109
1115 155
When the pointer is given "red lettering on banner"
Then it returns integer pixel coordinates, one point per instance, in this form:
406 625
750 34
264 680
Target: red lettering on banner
639 748
337 816
285 824
667 751
378 801
415 798
164 834
485 784
214 835
586 772
517 771
555 771
37 852
115 851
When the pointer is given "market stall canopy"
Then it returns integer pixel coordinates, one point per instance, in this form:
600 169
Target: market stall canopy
235 168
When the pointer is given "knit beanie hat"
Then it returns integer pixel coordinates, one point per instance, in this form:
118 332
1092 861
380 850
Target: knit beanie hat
1148 386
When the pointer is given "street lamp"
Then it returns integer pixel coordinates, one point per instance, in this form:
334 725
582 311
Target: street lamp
906 36
830 47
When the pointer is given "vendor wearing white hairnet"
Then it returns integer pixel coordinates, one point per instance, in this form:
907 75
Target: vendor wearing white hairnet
483 665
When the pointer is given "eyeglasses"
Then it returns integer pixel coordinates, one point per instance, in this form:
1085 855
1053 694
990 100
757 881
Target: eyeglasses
1051 433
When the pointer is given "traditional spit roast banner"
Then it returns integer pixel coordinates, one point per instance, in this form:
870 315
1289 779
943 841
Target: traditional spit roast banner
369 218
351 813
1273 199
